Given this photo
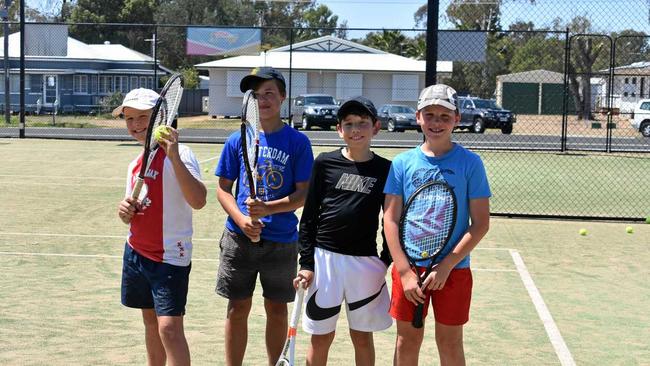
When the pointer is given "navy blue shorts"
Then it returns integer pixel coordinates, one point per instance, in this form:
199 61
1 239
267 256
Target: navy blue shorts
147 284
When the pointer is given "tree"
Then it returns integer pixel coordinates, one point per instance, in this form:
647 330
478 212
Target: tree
631 46
392 41
320 17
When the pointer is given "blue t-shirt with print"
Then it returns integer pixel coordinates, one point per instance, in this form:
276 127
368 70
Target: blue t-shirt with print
462 169
285 157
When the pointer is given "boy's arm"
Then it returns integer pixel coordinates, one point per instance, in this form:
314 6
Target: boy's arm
479 212
289 203
392 212
193 189
229 204
309 220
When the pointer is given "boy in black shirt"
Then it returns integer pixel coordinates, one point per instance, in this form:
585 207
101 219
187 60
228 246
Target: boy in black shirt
338 231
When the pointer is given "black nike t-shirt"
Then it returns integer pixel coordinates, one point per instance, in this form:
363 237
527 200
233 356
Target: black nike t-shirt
342 207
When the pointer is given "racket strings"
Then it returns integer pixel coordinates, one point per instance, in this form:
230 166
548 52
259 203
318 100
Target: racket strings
428 222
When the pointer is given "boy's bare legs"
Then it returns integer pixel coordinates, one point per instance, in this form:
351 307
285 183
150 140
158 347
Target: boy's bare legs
276 328
237 330
449 339
319 349
155 349
408 343
364 347
173 339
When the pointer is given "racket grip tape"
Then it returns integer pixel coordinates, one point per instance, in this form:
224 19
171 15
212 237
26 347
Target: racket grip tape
137 188
418 316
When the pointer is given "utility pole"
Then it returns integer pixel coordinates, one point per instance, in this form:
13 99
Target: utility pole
155 61
432 42
5 19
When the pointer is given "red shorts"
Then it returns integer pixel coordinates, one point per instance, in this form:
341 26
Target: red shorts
450 304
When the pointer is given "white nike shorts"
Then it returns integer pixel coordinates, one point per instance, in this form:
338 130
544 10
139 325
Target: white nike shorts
360 281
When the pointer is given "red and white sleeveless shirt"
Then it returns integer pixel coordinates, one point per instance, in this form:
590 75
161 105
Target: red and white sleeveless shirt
162 230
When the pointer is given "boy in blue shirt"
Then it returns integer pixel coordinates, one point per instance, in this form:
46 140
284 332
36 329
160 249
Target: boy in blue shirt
450 283
285 160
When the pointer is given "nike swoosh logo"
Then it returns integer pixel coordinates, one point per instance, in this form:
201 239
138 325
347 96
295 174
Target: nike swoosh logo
357 304
315 312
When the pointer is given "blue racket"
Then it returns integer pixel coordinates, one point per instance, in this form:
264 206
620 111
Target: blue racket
425 227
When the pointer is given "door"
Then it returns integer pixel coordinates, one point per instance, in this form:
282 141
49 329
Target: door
50 90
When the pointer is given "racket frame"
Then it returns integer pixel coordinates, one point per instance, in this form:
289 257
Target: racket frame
250 167
287 357
168 118
418 314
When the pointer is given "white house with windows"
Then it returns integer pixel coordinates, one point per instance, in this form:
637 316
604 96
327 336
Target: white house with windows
631 84
327 65
76 78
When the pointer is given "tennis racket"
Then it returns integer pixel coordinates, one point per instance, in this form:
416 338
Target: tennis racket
250 140
425 227
287 358
164 113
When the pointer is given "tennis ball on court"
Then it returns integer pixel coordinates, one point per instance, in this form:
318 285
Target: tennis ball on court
160 132
583 232
205 170
629 229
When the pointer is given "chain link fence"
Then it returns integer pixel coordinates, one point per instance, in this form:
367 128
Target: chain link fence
556 108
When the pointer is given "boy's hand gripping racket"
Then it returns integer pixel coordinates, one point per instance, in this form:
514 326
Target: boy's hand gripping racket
163 114
250 141
425 227
287 358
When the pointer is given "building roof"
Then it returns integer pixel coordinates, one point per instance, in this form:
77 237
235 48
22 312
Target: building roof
533 76
77 50
327 53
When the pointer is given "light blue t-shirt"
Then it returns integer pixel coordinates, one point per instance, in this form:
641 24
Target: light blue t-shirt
285 157
462 169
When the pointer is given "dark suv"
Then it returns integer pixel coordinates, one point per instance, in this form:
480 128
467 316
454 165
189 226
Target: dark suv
477 114
314 110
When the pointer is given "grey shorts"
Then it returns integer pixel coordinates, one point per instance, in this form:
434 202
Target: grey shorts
240 261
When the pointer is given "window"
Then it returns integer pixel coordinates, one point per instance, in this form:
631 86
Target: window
627 81
143 82
80 84
405 87
134 82
645 106
106 84
348 85
625 94
149 83
633 80
121 84
14 83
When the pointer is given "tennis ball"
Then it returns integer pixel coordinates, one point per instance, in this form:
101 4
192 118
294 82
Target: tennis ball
205 170
424 254
583 232
160 132
629 229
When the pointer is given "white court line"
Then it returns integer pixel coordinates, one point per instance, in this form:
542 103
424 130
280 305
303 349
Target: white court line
561 349
85 236
206 160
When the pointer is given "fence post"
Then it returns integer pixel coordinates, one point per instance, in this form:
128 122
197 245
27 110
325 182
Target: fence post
432 43
21 129
565 109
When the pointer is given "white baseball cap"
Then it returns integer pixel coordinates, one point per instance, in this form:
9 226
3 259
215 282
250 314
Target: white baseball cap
140 99
439 94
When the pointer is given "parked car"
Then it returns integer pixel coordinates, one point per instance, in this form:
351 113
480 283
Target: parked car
641 117
314 110
397 118
477 114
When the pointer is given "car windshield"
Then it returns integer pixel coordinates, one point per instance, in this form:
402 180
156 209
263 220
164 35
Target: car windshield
321 99
487 104
402 109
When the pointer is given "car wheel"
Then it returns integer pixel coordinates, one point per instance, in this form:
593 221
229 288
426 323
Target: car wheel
479 125
305 123
390 126
507 129
645 129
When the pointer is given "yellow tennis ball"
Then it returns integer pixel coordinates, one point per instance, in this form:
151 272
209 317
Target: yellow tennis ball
583 232
160 132
629 229
424 254
205 170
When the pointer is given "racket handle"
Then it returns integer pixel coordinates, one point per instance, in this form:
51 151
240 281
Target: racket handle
137 188
417 316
